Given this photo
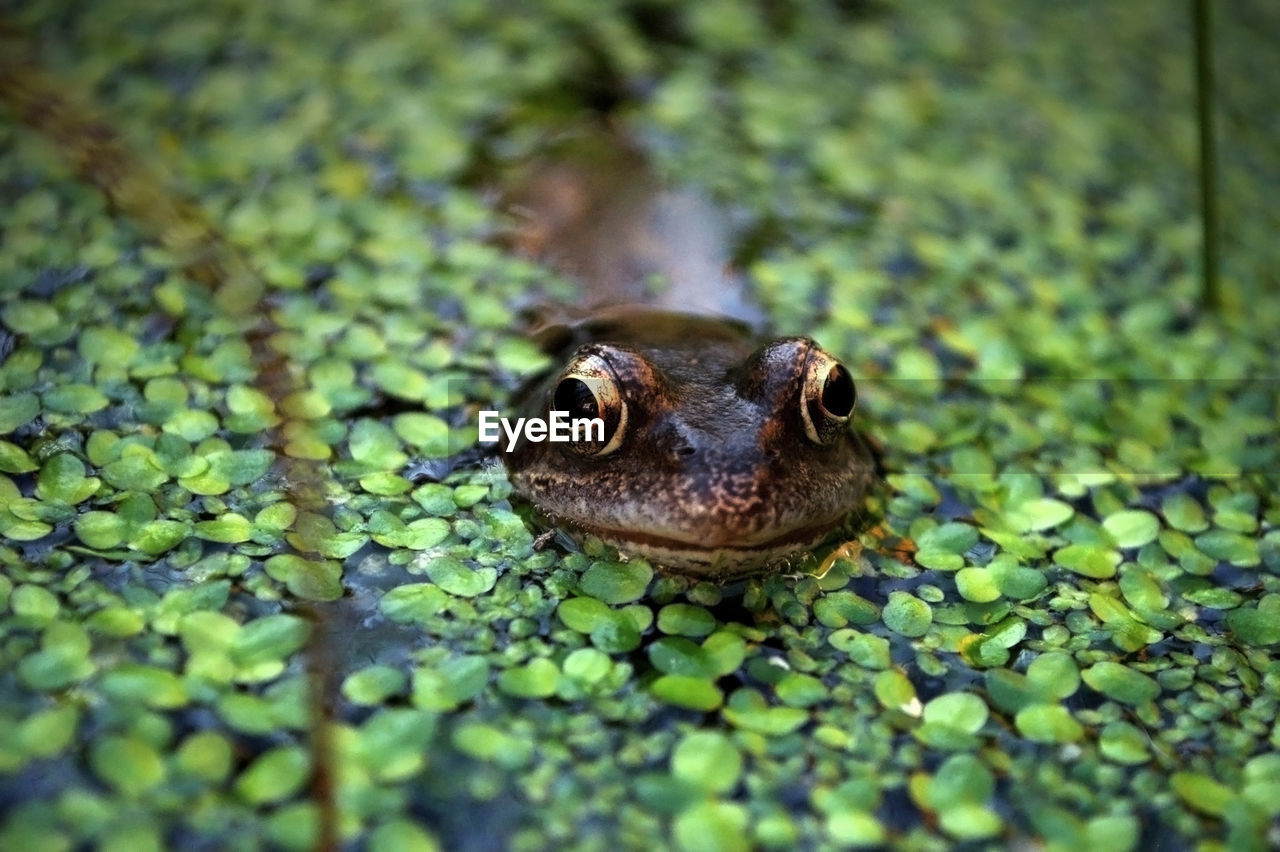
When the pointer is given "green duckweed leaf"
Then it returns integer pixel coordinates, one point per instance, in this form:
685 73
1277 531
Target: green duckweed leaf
435 499
711 826
939 560
63 658
1088 560
385 484
855 829
156 537
685 620
372 685
907 615
137 469
268 639
865 649
147 685
199 601
127 764
14 459
1132 528
692 693
1121 683
1054 675
250 409
977 584
75 398
535 679
1230 547
240 467
62 477
1040 513
227 529
100 530
424 533
400 380
1017 582
707 760
393 742
493 745
1010 691
46 733
841 608
36 605
309 579
616 582
425 433
1184 513
963 711
413 603
116 621
375 446
1048 723
456 578
191 425
274 776
206 755
1142 591
1202 792
970 821
991 647
583 614
677 655
1258 626
951 537
747 709
450 683
961 779
725 650
587 665
22 530
1262 783
466 496
615 632
896 692
16 410
1121 742
800 690
276 517
402 835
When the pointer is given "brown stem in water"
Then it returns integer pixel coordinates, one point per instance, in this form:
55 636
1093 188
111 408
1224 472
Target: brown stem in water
141 193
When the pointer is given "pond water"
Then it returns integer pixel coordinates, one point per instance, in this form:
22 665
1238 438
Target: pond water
251 281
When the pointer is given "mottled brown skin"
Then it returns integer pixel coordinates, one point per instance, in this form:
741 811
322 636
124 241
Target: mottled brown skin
726 464
714 474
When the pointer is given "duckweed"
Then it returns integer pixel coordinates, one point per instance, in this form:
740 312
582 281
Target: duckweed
707 760
222 521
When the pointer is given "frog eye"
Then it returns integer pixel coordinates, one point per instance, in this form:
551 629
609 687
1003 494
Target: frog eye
828 396
588 390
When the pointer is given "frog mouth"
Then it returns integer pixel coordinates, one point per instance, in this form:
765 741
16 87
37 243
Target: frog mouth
715 554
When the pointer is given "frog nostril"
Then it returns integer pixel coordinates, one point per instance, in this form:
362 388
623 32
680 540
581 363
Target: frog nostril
682 451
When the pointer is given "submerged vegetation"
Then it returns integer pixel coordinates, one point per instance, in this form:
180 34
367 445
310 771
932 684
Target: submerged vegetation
232 616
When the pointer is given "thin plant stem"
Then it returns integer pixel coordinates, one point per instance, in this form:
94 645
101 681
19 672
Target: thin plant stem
1210 293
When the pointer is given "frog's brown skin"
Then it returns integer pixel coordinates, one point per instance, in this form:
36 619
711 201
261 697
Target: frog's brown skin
714 472
725 463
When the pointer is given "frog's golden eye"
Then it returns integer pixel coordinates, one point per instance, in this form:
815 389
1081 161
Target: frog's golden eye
828 396
589 391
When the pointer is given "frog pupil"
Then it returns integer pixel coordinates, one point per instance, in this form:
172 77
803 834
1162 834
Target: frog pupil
573 396
838 393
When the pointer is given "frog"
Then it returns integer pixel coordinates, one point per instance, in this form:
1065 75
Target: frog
725 451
